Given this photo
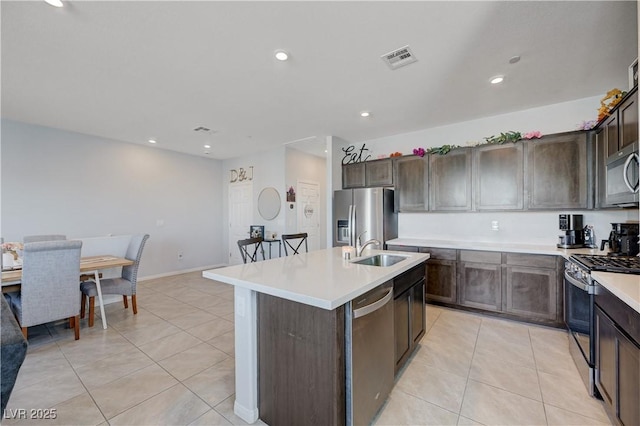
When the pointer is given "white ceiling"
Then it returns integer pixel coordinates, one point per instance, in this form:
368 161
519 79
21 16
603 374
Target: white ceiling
153 69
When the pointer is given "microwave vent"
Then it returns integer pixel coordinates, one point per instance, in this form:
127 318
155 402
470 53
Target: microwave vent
399 57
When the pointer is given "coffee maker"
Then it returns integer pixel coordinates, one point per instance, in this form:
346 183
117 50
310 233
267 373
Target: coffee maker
572 235
623 239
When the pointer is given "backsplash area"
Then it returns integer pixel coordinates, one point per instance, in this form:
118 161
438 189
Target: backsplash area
513 227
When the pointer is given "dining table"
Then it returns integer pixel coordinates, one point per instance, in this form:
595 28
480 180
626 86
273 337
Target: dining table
90 265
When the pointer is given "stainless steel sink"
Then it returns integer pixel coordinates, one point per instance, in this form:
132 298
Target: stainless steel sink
381 260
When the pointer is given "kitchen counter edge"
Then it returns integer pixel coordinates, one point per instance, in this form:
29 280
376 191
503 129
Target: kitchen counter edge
375 277
625 287
494 246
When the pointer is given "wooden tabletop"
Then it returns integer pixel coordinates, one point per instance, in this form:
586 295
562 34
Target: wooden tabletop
87 264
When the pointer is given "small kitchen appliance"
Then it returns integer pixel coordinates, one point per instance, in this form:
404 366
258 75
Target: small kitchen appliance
572 235
623 239
579 292
589 237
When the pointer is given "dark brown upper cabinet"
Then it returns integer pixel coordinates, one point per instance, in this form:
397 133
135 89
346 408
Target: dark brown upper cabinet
368 174
498 176
412 184
557 174
450 179
621 127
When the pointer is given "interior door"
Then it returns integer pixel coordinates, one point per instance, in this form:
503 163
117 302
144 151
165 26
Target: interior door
240 217
309 212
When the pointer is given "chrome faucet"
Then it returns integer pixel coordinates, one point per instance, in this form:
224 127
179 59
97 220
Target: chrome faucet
360 247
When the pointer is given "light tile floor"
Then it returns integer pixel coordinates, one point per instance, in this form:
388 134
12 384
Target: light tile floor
173 363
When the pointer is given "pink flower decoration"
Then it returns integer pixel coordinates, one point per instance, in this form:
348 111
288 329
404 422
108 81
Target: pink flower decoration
534 134
419 152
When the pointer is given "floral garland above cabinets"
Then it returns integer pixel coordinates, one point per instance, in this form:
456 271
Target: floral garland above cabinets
500 139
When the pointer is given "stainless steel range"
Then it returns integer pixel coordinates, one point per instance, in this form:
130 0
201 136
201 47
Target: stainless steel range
579 291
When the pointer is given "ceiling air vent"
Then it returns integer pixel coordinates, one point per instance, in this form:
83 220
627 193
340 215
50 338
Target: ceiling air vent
399 57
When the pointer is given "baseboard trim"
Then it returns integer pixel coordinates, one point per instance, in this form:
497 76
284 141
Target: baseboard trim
181 271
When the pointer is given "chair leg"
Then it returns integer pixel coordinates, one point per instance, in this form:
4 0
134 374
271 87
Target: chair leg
24 332
134 305
92 310
126 303
83 302
72 322
76 323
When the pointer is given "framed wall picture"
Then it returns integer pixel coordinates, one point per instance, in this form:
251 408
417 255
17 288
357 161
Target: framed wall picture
256 231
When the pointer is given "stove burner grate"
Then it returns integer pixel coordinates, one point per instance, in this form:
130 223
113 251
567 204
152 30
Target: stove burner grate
624 264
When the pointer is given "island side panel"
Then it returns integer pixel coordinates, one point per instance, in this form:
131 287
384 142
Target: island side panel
301 363
246 354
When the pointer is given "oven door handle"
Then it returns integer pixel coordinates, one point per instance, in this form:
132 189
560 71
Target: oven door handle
577 283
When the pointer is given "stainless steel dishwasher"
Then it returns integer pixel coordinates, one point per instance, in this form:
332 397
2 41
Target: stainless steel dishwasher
370 354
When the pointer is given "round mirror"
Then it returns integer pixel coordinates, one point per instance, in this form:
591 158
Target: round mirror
269 203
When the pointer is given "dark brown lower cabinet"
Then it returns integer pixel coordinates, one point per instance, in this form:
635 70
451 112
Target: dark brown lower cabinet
480 286
480 280
301 363
409 313
531 292
628 382
516 285
533 286
618 358
441 275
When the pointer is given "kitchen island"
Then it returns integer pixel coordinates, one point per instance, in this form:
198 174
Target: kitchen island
317 284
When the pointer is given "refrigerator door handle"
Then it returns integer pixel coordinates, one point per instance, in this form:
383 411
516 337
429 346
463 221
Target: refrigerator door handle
352 228
349 225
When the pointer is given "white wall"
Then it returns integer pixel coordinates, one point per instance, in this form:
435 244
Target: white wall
515 227
268 171
529 227
301 166
554 118
55 181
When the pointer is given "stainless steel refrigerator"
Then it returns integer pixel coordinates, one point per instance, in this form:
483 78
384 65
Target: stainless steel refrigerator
364 211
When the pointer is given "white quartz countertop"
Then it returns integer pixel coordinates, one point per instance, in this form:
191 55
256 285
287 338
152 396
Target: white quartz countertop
320 278
625 286
549 249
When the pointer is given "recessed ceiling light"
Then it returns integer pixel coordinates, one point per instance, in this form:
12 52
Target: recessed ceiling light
55 3
281 55
207 146
365 114
497 79
152 141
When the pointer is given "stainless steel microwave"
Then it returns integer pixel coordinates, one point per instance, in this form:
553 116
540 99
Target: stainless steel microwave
623 177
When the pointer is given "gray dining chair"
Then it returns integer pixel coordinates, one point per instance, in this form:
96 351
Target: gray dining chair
49 289
39 238
294 242
249 249
124 285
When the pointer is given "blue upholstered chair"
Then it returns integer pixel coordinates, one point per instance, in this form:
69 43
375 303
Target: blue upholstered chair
125 285
249 249
49 290
40 238
294 242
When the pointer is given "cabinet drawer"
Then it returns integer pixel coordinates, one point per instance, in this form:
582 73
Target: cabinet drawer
403 282
534 260
437 253
394 247
622 314
480 256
